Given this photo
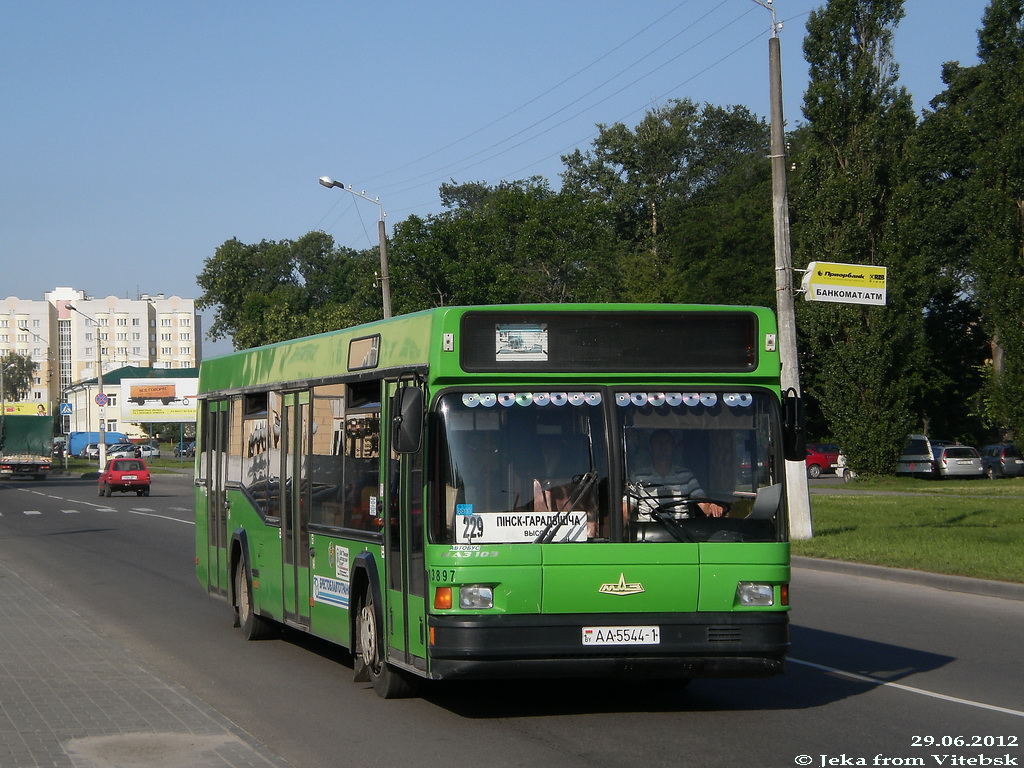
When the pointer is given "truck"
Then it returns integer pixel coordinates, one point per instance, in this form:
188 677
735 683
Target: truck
78 440
165 392
26 444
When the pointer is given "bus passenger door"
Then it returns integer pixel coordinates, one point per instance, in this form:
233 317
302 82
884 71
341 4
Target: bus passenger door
215 432
403 540
295 543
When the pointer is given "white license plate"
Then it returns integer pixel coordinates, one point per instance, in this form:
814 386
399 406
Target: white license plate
129 477
963 461
629 635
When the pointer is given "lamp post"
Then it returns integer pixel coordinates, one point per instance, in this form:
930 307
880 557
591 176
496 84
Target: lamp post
796 471
385 280
99 386
49 359
3 397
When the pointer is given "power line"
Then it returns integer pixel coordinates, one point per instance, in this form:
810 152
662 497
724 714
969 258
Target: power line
529 102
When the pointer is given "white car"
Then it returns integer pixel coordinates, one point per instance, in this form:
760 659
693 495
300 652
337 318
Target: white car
127 450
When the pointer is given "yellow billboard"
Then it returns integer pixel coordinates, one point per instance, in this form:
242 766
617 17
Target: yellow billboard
26 409
845 283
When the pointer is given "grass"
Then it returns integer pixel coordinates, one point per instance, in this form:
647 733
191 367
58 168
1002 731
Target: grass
973 528
167 463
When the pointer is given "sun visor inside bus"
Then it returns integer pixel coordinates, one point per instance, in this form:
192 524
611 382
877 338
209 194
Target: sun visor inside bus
619 342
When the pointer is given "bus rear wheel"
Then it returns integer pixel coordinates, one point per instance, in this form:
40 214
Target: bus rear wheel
254 627
368 661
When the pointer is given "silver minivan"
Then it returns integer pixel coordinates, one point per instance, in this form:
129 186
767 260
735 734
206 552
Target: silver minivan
917 458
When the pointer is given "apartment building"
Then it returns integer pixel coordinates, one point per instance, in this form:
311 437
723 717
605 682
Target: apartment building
69 333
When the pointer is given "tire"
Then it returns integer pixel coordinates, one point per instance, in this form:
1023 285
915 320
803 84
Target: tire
108 491
100 490
990 473
254 627
145 491
388 681
814 471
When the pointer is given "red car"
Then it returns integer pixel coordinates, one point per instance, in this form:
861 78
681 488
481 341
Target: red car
822 458
125 475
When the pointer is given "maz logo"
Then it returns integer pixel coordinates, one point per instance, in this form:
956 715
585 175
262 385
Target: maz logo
622 588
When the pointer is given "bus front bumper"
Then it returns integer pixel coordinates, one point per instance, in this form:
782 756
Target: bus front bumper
690 645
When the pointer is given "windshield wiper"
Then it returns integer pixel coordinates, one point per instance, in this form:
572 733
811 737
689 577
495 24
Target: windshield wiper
582 484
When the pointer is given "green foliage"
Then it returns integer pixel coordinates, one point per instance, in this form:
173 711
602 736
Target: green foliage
514 243
860 363
273 291
18 370
976 127
688 192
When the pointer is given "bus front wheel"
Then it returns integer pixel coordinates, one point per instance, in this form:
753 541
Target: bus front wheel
254 627
388 682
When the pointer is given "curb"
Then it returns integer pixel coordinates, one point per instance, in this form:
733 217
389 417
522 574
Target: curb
1002 589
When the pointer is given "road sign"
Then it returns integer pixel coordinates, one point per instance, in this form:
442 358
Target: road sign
102 399
66 409
844 283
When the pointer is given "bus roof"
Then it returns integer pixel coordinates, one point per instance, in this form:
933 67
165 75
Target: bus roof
511 340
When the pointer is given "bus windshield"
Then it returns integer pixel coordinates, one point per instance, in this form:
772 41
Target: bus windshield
606 465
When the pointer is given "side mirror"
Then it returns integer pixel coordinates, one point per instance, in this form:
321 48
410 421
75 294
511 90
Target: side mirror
794 439
407 419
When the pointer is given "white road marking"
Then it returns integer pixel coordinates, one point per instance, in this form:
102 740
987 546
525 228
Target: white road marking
908 688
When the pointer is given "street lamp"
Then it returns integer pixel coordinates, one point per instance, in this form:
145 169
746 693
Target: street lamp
385 280
49 357
99 386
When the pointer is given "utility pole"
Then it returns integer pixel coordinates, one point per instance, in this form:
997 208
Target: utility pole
796 471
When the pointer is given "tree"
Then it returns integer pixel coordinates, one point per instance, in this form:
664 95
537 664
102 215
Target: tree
273 291
719 241
677 190
861 363
18 372
514 243
975 134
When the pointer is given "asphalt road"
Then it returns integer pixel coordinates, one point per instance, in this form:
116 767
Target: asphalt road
881 671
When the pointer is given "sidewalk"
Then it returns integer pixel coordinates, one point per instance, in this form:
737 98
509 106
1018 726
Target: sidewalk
70 697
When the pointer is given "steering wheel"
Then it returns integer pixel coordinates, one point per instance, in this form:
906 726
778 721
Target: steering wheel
635 492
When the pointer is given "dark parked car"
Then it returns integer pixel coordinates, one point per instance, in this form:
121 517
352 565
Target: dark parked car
1002 460
185 448
125 476
822 458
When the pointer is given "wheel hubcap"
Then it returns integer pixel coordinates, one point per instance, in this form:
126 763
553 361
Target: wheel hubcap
368 637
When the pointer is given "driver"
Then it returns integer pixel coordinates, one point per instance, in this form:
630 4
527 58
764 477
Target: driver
668 481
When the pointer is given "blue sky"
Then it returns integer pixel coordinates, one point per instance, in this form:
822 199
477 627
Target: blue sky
137 137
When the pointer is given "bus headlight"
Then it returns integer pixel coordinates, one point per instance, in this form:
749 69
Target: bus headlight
755 593
476 597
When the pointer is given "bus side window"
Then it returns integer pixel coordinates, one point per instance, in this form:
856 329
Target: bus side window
362 458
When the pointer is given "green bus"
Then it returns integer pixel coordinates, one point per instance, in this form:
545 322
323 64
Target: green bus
537 490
